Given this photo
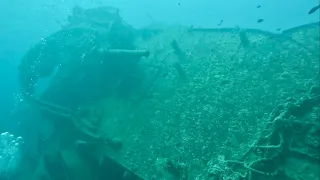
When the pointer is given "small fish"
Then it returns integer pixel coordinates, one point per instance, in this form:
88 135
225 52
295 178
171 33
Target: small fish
220 22
314 9
278 29
259 6
260 20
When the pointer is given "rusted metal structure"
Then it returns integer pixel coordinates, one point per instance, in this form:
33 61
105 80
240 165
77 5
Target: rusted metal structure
203 104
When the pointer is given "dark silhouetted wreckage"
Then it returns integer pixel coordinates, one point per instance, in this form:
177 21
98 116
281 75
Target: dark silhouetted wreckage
174 102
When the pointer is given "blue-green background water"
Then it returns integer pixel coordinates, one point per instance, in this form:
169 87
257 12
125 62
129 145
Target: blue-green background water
25 23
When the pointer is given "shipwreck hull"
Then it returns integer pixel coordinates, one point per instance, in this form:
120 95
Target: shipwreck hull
218 108
213 103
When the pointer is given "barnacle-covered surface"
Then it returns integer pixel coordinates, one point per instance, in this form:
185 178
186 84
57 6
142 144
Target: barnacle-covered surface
307 35
209 94
208 103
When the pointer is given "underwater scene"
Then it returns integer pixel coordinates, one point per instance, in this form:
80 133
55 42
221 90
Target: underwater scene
95 93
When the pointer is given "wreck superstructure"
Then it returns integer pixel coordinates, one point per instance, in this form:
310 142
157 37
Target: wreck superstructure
176 102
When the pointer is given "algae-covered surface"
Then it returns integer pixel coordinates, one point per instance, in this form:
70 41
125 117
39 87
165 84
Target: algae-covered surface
205 104
180 125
